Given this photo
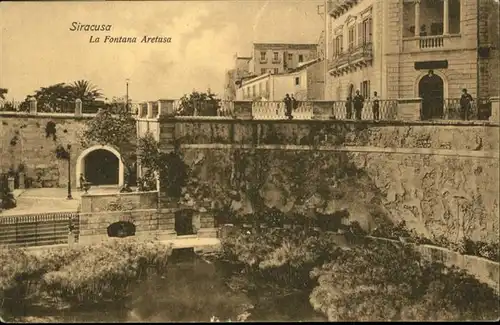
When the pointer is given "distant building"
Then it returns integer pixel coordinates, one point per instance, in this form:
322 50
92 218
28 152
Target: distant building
390 46
280 57
234 76
305 82
267 58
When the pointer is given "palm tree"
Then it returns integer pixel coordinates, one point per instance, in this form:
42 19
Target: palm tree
85 90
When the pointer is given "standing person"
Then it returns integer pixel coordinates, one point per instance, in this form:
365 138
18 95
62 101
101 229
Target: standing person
294 103
288 106
376 106
358 102
348 108
465 104
82 181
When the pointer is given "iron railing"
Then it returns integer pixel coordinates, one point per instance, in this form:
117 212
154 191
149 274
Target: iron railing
453 109
39 229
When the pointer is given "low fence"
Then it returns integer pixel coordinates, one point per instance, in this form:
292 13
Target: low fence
39 229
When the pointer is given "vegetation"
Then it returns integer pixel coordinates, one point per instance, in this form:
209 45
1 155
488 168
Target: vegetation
465 246
357 280
7 200
199 103
62 96
3 92
386 282
115 130
81 275
170 167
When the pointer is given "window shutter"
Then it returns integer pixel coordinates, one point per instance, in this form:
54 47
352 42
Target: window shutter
360 33
368 91
370 27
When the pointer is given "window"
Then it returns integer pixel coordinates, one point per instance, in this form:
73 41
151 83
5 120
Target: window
262 56
267 87
365 89
351 38
297 81
290 56
338 45
253 91
276 56
263 71
366 31
276 71
260 89
454 17
301 58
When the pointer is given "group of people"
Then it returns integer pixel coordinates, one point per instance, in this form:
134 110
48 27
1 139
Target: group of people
357 102
290 104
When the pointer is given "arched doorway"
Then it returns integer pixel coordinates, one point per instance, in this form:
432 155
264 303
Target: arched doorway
101 168
100 165
431 90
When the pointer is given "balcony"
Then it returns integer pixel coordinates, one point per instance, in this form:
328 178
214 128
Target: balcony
276 61
357 57
261 60
338 7
432 43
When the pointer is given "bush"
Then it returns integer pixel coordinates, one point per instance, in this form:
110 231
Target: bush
84 274
386 282
465 246
7 200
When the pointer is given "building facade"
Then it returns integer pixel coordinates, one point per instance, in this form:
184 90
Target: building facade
280 58
390 46
305 83
234 76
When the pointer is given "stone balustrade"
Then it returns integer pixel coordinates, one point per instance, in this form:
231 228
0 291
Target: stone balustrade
401 109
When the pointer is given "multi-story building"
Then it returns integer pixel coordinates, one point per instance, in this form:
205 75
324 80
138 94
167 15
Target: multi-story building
391 46
267 58
305 82
279 58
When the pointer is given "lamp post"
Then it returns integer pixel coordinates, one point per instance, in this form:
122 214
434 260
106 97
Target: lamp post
126 103
69 173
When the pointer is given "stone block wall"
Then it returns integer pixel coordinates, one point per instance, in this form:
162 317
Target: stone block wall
431 135
441 178
23 140
131 201
93 226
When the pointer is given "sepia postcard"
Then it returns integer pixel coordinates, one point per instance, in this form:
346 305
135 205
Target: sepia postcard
249 161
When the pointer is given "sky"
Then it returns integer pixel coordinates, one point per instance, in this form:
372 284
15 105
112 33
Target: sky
38 49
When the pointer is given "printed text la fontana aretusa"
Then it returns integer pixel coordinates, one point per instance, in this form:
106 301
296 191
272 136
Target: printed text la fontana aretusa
79 27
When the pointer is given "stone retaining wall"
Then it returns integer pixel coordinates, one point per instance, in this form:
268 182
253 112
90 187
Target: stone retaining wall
484 270
130 201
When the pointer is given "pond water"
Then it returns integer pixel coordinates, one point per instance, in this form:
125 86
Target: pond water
193 289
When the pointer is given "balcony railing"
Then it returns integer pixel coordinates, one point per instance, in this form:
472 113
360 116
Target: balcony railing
355 57
431 41
435 42
276 61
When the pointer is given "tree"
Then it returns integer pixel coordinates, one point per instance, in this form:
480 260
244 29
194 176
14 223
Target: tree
85 91
61 96
3 92
116 130
199 103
